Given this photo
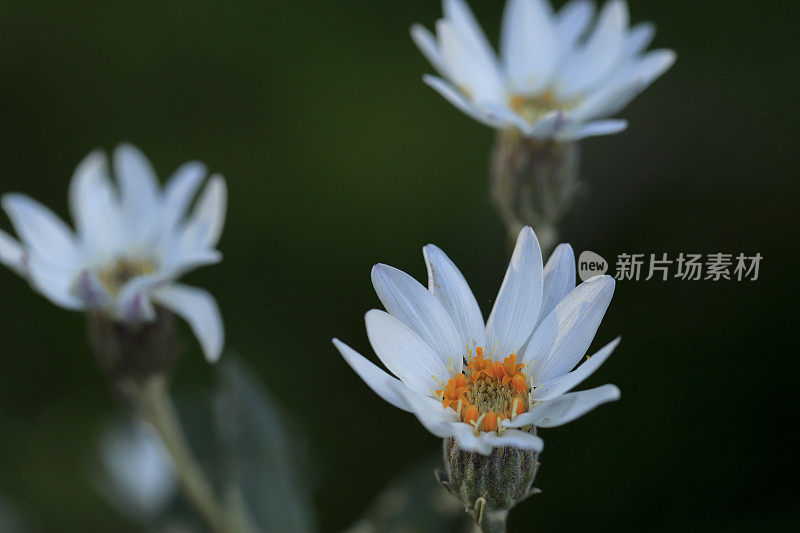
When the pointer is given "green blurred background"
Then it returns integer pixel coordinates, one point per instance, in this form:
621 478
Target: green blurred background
337 156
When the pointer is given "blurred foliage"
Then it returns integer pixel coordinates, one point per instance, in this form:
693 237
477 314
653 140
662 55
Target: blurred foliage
264 467
337 156
414 502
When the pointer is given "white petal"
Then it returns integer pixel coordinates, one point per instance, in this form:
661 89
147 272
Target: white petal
41 230
435 418
426 43
485 80
448 285
601 53
139 191
566 408
572 21
53 281
561 384
639 38
377 380
528 45
625 85
469 67
405 298
95 209
524 419
91 291
177 264
133 305
553 124
179 192
133 302
502 114
515 438
520 297
11 253
652 65
460 15
200 310
468 441
404 353
600 127
452 95
204 227
607 100
563 337
559 278
141 285
484 442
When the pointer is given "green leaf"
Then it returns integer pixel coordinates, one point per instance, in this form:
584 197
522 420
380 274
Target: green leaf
413 502
265 478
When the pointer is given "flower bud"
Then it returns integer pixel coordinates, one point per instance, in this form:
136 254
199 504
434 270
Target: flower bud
130 353
489 485
534 183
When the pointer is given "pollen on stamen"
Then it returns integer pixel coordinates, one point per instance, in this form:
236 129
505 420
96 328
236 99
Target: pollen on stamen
518 382
490 421
487 392
471 414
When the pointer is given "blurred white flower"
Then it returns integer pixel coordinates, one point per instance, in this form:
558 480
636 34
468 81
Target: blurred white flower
461 377
558 74
140 478
129 245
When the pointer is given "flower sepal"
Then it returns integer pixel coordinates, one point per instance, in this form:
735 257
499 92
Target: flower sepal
535 183
489 485
130 353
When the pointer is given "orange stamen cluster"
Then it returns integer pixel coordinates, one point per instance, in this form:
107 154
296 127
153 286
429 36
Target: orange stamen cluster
488 393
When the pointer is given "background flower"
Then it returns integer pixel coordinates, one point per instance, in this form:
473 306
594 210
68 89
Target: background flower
129 245
560 74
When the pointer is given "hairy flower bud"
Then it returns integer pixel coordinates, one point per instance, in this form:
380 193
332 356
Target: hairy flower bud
534 183
130 353
489 485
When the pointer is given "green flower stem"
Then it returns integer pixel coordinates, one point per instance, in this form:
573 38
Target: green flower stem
156 407
494 522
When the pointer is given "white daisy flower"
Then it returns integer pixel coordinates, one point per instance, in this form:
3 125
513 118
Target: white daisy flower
558 75
487 385
129 245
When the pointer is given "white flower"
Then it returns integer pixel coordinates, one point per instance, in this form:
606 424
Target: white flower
140 477
460 377
558 75
129 245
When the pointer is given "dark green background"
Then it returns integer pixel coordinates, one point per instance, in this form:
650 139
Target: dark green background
337 156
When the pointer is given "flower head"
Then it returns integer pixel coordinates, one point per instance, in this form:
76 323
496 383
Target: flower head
488 384
558 75
131 242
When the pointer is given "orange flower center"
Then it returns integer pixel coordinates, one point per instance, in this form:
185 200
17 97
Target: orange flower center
487 392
